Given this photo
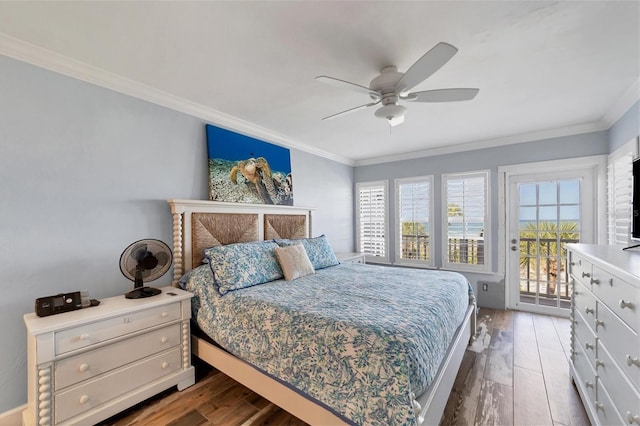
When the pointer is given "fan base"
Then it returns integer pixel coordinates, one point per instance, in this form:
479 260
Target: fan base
142 292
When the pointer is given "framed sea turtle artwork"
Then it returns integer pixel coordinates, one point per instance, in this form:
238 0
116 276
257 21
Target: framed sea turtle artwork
243 169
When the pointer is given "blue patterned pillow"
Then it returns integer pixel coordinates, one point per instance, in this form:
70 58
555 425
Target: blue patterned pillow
318 249
242 265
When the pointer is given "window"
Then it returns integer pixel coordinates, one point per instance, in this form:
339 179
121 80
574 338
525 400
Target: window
466 215
619 184
373 235
414 213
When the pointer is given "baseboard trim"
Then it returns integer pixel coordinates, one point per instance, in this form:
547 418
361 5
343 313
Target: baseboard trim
12 417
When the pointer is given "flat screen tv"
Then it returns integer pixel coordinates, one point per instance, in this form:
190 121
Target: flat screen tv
635 204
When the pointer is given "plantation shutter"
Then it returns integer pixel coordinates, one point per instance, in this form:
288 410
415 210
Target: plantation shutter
467 218
372 219
414 219
619 180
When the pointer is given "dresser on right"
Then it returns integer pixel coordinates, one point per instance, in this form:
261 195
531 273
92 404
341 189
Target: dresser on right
605 321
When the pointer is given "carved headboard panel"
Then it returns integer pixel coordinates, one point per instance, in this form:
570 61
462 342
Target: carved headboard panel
201 224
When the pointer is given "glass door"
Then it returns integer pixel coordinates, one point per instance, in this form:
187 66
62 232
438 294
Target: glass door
546 213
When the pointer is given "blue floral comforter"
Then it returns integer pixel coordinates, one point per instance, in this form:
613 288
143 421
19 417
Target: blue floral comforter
360 339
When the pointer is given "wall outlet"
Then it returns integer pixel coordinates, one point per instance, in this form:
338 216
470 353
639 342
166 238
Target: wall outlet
485 287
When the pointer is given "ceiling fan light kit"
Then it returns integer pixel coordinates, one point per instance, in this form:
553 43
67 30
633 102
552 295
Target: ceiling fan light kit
392 86
392 112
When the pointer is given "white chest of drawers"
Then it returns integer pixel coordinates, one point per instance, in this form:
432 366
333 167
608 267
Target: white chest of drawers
605 314
87 365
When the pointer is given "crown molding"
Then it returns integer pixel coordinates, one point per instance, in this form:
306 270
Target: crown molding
47 59
488 143
622 105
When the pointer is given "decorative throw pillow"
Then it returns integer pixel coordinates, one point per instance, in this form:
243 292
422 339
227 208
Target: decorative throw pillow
242 265
294 262
318 249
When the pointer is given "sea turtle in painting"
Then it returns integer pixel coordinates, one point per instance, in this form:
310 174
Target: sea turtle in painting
258 172
273 188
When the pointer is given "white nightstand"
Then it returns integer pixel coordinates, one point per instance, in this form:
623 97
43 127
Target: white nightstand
351 257
85 366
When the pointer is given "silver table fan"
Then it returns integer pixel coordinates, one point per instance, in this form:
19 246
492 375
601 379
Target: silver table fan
144 261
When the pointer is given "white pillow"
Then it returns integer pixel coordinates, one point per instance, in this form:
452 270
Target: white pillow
294 262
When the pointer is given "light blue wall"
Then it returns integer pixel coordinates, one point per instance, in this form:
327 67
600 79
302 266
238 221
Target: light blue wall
85 171
627 127
490 158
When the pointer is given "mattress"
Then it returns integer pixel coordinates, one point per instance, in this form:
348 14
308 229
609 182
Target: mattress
362 340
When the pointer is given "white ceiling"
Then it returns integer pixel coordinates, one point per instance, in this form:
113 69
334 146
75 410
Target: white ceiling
543 68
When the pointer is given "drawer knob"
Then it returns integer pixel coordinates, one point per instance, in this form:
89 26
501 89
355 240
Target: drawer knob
164 365
599 406
594 281
164 339
83 367
164 314
84 336
588 346
586 275
633 419
588 384
576 292
599 363
632 361
624 304
84 399
589 310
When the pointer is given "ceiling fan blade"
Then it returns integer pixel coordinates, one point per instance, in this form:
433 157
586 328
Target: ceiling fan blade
424 67
336 82
350 110
443 95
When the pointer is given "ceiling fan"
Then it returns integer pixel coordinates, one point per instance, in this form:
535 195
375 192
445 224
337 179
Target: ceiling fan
392 86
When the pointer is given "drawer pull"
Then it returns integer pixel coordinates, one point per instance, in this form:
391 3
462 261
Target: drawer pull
599 323
589 310
84 336
84 399
599 363
586 275
83 367
588 384
164 339
632 361
633 419
164 365
599 406
594 281
164 314
624 304
588 346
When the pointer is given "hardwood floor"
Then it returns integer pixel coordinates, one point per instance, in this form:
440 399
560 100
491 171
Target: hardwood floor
516 373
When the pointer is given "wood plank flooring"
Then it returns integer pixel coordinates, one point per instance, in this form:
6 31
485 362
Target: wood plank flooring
516 373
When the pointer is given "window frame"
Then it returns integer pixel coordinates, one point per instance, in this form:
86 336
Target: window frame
619 229
487 234
430 263
373 184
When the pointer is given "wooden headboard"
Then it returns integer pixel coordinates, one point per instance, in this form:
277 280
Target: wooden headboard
200 224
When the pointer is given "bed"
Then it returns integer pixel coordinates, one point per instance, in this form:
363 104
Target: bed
321 346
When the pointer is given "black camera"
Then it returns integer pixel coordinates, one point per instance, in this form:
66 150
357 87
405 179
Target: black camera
63 302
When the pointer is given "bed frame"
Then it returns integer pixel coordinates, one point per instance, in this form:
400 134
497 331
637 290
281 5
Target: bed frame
201 224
